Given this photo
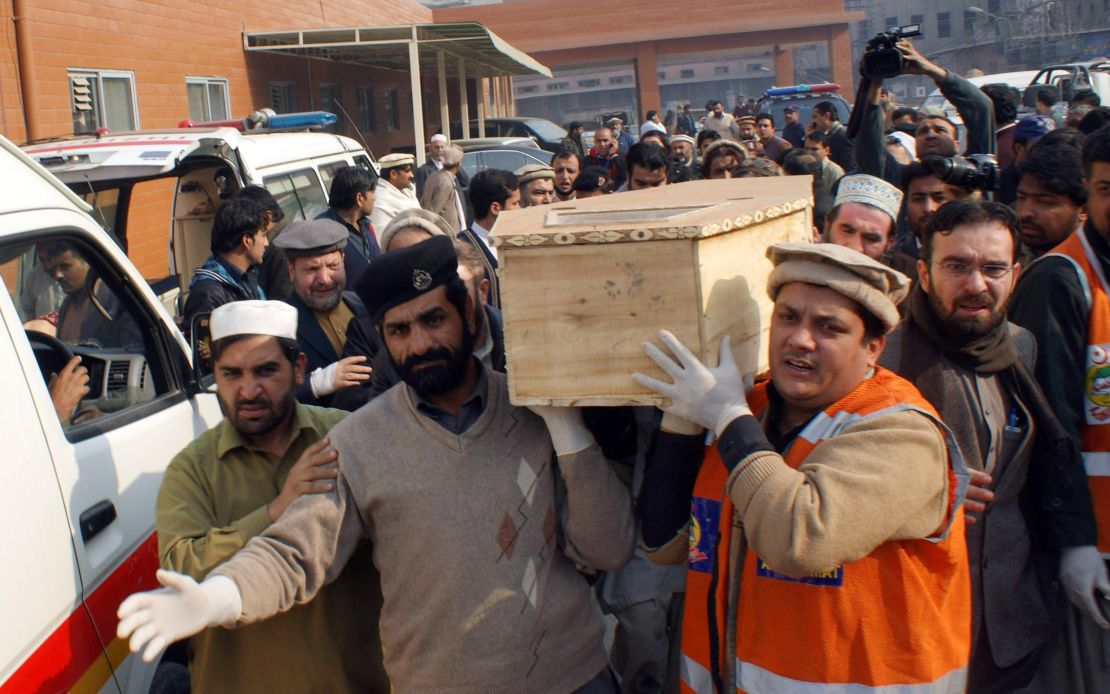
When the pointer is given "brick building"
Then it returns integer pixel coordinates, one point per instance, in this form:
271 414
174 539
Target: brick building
575 37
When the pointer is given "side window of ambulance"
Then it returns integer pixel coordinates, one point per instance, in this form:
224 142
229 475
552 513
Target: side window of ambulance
363 161
328 171
101 352
299 193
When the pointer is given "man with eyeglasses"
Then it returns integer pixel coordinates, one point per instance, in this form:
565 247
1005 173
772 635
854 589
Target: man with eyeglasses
975 367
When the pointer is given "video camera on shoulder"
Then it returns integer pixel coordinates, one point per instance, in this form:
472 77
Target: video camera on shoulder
973 172
882 59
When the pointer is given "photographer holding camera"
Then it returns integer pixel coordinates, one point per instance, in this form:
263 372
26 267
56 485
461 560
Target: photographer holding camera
889 55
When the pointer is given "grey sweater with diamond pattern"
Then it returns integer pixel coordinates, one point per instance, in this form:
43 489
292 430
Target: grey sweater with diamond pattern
476 538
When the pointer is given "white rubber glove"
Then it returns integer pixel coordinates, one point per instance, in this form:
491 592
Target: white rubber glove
708 397
568 432
1082 572
157 618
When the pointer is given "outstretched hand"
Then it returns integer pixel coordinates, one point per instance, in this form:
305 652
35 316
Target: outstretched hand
709 397
155 619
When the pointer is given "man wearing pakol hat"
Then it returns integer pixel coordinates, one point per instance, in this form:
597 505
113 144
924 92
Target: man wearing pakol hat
975 367
537 184
314 252
237 479
746 136
821 529
456 489
862 218
395 191
441 191
623 138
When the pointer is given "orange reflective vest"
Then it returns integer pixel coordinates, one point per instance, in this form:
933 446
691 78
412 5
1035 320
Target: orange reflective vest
899 618
1095 429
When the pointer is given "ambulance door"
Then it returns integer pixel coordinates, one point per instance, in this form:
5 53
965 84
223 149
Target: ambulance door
111 449
48 641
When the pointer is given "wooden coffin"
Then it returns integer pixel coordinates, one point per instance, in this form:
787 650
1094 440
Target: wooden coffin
584 283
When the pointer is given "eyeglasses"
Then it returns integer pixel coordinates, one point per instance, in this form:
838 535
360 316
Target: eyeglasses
959 269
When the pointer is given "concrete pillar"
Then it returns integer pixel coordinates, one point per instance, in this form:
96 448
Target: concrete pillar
647 79
495 87
444 109
509 98
483 101
464 100
417 99
784 66
842 69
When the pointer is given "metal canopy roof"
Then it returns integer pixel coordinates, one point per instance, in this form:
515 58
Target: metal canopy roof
388 47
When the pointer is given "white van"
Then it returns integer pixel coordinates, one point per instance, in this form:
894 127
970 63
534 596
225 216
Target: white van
78 487
208 164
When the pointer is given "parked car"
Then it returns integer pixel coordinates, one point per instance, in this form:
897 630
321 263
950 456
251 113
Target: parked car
547 135
802 97
78 488
505 157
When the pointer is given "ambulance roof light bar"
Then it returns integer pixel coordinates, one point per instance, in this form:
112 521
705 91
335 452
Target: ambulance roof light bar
802 89
267 119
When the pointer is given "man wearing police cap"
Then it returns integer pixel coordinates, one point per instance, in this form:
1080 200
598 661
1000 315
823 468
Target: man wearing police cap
821 530
314 252
232 483
395 191
456 489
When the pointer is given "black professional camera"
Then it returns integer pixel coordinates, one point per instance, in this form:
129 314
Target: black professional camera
882 59
973 172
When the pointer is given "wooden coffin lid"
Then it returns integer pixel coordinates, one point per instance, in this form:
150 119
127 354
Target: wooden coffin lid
695 209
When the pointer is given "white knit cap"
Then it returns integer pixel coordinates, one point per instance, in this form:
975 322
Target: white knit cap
870 190
254 317
439 137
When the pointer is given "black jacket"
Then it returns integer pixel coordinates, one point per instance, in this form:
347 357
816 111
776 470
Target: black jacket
315 344
207 293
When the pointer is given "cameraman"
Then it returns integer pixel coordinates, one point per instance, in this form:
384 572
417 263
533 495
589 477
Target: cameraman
935 134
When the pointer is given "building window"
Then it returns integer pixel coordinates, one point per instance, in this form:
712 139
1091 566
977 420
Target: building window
687 74
661 75
392 110
207 98
528 89
891 22
557 86
723 69
994 6
589 83
944 25
102 99
368 121
919 20
969 22
622 79
283 97
331 100
754 67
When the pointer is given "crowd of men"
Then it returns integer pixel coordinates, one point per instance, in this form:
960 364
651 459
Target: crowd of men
915 497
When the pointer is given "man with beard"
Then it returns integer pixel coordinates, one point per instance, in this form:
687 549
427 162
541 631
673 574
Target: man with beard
1051 199
395 191
566 165
935 134
456 489
314 252
237 479
976 369
1062 300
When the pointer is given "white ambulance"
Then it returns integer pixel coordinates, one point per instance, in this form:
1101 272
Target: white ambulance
78 483
206 164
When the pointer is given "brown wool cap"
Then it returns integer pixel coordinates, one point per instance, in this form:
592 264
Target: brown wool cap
869 283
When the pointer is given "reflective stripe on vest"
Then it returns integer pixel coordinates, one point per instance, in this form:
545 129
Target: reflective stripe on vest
807 633
1095 427
753 678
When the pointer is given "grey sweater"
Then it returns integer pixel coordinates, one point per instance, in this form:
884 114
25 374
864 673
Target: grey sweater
476 538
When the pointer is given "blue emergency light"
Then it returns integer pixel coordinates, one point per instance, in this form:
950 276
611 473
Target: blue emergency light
293 121
802 89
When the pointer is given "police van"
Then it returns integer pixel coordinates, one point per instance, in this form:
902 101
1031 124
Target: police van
207 163
80 473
